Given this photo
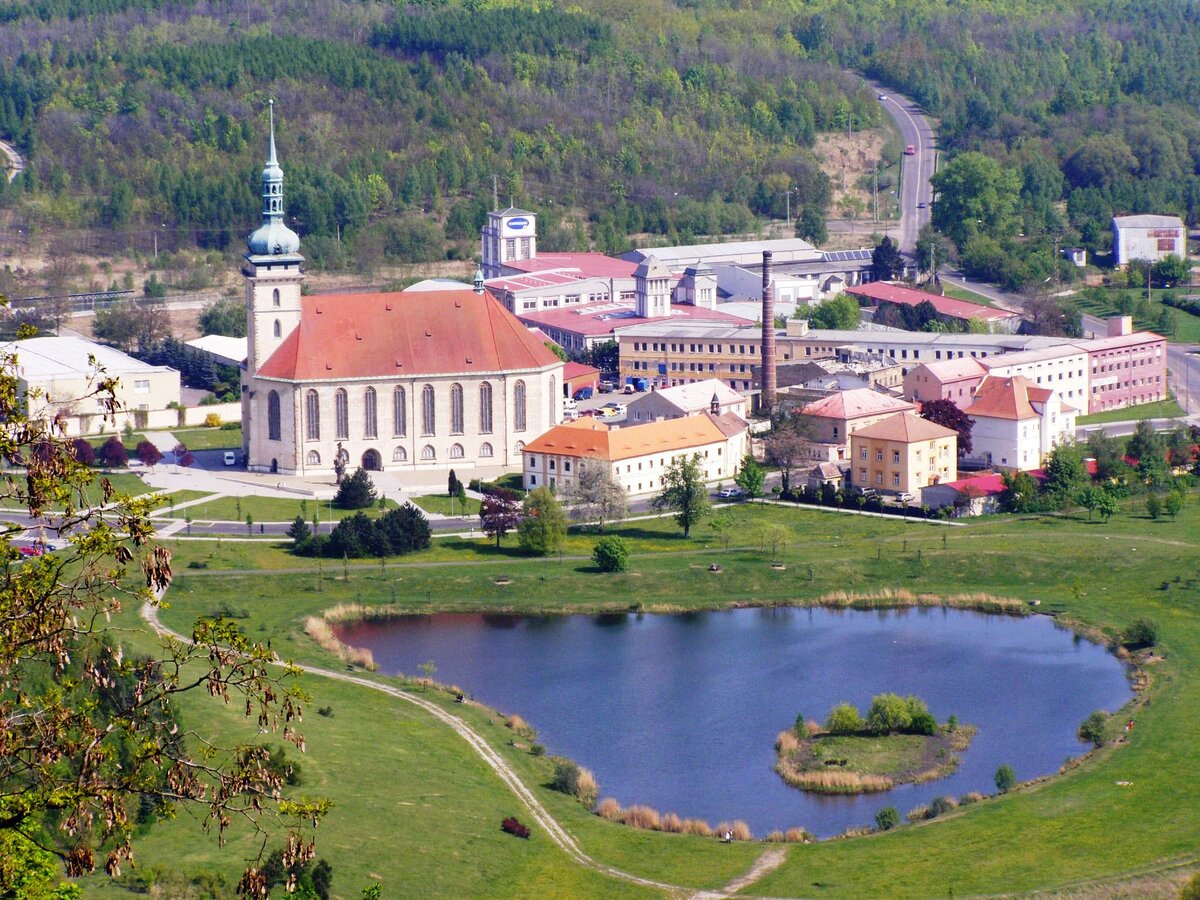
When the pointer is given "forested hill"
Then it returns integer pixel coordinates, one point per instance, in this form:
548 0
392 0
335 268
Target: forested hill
392 118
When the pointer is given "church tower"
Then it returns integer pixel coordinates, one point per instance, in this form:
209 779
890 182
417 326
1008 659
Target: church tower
652 281
273 270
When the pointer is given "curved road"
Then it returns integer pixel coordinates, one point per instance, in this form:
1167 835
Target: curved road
916 132
16 165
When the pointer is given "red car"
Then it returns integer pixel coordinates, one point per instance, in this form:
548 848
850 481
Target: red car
32 550
910 150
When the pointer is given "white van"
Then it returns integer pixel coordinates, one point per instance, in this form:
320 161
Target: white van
569 404
230 458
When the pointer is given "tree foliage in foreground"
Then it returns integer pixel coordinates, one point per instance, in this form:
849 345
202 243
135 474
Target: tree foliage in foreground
544 527
684 492
596 495
89 732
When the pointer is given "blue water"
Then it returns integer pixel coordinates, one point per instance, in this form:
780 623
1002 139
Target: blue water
680 712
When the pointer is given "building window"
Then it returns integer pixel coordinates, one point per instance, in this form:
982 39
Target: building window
519 406
370 414
427 452
312 416
456 451
275 297
428 420
895 479
878 456
895 457
862 452
141 386
341 409
456 409
313 458
274 428
399 412
485 408
399 455
486 451
278 329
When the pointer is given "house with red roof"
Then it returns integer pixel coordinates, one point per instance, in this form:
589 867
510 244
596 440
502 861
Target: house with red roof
903 454
1016 424
949 310
946 379
830 422
408 380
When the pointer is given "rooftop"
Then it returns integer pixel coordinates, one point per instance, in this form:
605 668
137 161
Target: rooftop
855 403
585 264
601 318
1024 357
590 439
962 367
947 306
787 249
1119 341
1008 398
68 357
1148 222
230 348
697 396
906 428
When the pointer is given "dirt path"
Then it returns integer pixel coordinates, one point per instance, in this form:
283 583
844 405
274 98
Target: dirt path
769 861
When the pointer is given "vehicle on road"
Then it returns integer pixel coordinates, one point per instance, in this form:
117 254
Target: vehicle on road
905 497
921 205
883 96
729 494
607 387
910 150
613 404
31 550
606 412
584 393
230 458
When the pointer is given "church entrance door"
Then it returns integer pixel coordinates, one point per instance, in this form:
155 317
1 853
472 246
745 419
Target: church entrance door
372 461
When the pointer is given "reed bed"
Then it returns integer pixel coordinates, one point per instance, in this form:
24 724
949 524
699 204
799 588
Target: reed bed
523 728
737 830
697 827
890 598
645 817
835 781
797 836
321 632
786 742
610 809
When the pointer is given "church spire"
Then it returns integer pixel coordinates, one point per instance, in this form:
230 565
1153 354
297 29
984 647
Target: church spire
273 238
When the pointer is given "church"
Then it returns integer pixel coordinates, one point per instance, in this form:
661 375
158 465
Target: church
419 379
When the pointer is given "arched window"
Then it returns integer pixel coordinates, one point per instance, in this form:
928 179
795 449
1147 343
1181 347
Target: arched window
456 409
485 408
553 404
456 451
399 455
399 412
274 429
312 416
520 446
428 420
370 416
485 450
427 452
519 406
341 408
278 329
313 458
275 297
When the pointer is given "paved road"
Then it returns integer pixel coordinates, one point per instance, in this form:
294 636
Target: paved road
16 165
918 168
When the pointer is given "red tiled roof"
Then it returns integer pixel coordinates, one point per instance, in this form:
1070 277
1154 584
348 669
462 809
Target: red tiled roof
1007 398
401 334
905 428
587 264
854 403
574 369
947 306
588 438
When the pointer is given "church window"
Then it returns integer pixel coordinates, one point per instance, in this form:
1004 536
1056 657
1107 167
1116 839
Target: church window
456 409
313 458
275 297
312 416
399 412
456 451
519 406
486 451
485 408
399 455
427 452
274 430
341 408
428 419
370 415
278 329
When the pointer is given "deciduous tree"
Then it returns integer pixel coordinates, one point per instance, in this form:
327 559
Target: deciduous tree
945 413
684 492
499 513
750 477
544 526
596 496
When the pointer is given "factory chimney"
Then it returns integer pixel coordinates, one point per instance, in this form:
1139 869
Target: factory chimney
768 337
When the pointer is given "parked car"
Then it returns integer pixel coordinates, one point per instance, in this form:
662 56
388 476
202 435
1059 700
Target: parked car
628 389
883 96
606 412
869 492
230 458
910 150
607 387
620 408
32 550
729 493
586 412
905 497
568 403
584 393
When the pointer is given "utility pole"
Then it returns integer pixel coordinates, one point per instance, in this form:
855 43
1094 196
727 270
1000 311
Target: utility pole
495 192
875 193
788 196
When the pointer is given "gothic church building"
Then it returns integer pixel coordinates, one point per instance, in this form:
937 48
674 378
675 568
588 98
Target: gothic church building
409 380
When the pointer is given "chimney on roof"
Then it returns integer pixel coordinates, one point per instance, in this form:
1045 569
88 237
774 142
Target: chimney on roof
768 337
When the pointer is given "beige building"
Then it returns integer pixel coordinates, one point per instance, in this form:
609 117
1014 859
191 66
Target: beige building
902 454
59 377
637 455
416 379
687 400
834 419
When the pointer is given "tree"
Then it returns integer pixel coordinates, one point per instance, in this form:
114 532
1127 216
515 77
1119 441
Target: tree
773 535
605 356
544 526
88 727
786 446
886 261
1171 271
887 818
452 484
299 531
596 496
355 492
225 316
1106 505
1154 505
750 477
1066 473
611 554
1094 727
1174 503
810 226
1149 449
723 525
405 528
499 513
933 251
1090 498
148 453
112 453
943 412
888 713
839 313
844 719
83 451
1139 634
684 492
1005 779
976 195
1020 492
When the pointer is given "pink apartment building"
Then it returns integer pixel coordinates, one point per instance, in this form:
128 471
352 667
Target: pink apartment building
947 379
1126 367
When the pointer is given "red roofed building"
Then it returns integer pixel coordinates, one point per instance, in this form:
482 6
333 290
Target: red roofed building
416 379
902 454
833 419
948 309
1017 423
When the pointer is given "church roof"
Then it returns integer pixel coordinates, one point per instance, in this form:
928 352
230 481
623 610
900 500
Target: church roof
401 335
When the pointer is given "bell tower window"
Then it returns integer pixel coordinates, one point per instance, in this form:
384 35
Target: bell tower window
278 329
275 297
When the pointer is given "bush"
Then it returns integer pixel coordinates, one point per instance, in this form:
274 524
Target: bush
355 492
148 453
112 453
515 828
923 723
844 719
939 806
1093 728
611 554
570 778
1141 633
83 451
887 818
212 420
889 713
1006 779
801 728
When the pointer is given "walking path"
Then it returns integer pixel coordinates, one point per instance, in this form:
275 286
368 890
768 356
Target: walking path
16 165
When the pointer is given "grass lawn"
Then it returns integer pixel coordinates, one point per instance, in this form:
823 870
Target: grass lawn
271 509
443 505
209 438
1145 315
122 482
1163 409
434 811
958 292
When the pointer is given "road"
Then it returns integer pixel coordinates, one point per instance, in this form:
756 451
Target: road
16 165
918 168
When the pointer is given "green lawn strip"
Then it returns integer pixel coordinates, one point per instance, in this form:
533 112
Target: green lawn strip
1072 821
169 501
1187 326
446 506
93 494
209 438
1162 409
961 293
272 509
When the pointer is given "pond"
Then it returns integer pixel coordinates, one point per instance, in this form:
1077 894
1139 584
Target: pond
680 711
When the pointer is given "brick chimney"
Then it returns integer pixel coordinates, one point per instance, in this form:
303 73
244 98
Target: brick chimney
768 337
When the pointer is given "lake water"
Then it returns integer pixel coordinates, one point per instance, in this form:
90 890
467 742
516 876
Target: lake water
680 712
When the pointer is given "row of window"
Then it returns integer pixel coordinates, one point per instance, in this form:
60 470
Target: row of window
428 453
370 416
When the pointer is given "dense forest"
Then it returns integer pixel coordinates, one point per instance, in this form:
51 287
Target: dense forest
609 118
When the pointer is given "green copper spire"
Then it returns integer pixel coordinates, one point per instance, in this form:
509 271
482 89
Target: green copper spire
274 238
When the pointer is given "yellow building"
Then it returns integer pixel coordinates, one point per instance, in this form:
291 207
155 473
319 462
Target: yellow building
903 454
